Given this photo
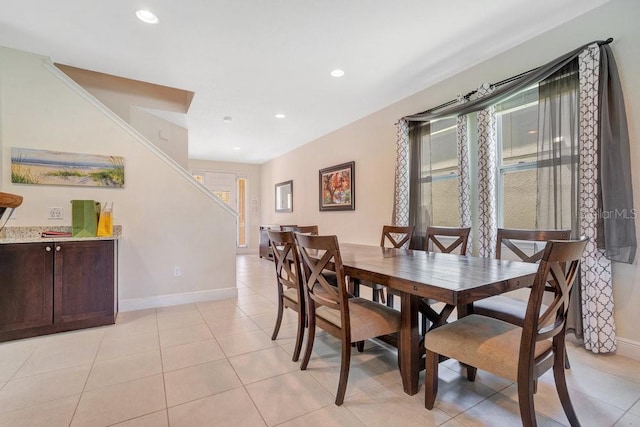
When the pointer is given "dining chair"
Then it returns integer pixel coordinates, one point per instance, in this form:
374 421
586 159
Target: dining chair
439 239
523 244
288 283
518 353
330 308
393 236
434 239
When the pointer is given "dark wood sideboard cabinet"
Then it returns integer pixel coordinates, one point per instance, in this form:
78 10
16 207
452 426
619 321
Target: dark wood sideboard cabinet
264 246
56 286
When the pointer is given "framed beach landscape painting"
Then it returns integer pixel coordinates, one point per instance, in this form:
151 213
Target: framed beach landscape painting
337 188
46 167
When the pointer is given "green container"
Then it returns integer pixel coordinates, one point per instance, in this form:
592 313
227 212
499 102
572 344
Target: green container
84 218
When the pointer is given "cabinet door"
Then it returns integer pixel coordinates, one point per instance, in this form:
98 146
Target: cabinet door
83 280
26 285
265 247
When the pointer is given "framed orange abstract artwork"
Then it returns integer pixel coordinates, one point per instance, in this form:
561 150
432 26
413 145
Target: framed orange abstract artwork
337 188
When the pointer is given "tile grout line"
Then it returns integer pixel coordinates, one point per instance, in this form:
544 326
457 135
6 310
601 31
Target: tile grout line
84 386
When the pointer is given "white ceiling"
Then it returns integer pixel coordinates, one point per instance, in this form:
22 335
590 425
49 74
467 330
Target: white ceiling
251 59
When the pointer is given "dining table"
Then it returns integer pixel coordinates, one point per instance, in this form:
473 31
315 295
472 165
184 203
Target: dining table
455 280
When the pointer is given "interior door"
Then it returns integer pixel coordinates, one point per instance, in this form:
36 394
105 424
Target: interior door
223 184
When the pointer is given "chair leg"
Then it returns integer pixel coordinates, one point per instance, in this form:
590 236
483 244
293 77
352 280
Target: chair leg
360 346
375 295
471 372
299 335
425 326
430 379
311 336
389 300
356 288
525 400
276 328
563 392
344 372
382 299
567 365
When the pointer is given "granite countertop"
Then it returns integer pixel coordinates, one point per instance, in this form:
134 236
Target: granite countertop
33 235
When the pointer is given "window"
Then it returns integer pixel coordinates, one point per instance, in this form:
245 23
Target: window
517 132
521 165
242 212
225 196
440 177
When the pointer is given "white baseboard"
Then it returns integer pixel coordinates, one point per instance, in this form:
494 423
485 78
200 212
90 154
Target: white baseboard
628 348
176 299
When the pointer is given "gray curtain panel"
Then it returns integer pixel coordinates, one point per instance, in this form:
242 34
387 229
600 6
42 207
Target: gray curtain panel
557 163
557 205
420 184
619 237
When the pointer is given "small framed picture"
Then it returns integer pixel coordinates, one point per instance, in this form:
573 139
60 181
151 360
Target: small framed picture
337 188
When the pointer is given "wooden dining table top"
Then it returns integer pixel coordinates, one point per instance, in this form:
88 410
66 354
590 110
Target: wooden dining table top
449 278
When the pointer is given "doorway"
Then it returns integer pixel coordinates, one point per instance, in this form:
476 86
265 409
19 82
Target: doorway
231 188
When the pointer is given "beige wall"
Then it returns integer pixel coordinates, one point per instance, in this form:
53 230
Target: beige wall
170 138
253 174
370 142
167 218
129 99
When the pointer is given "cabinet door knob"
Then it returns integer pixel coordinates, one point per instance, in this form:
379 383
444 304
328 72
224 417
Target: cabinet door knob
48 248
58 248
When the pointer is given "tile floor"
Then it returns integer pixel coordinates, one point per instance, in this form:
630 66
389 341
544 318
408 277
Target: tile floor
214 364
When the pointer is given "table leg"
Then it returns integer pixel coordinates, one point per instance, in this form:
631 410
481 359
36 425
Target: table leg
409 345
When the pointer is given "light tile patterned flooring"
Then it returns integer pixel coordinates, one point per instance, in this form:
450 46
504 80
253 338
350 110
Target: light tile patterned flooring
214 364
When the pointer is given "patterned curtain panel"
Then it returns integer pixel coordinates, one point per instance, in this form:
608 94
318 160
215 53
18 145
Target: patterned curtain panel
487 142
401 188
464 184
597 290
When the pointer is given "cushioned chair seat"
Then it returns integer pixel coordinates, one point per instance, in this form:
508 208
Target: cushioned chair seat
368 318
482 342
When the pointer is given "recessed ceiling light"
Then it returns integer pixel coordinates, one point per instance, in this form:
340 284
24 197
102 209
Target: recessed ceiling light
532 132
236 148
280 116
337 73
147 16
227 119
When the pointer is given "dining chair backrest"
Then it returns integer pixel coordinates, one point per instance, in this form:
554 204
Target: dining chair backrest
509 238
287 261
558 269
289 283
305 229
397 236
321 254
435 234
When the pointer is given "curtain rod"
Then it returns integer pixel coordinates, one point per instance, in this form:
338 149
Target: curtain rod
498 84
